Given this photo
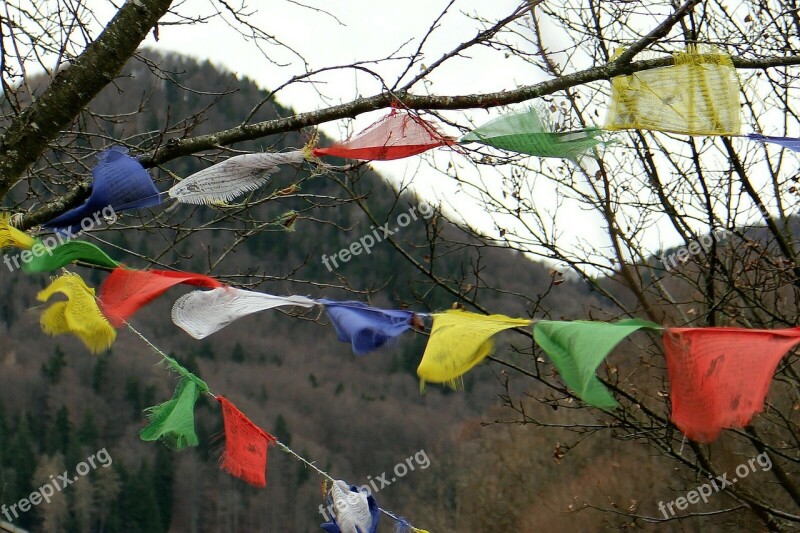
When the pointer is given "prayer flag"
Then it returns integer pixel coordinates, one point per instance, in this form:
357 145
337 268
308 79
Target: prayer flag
366 328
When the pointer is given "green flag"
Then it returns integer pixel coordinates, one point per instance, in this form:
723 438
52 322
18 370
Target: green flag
577 349
526 133
48 259
173 421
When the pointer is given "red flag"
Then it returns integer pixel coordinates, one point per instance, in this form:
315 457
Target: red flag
125 291
399 134
719 377
245 454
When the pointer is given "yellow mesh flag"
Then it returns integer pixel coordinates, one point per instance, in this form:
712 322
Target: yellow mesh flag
11 236
699 95
79 315
460 340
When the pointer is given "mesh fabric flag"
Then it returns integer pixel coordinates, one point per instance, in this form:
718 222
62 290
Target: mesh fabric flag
49 259
79 315
172 422
201 313
399 134
460 340
792 143
719 377
245 454
119 183
231 178
352 510
12 237
526 133
366 328
125 291
699 95
577 349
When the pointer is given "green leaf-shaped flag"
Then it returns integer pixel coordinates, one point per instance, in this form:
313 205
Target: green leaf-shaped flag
577 349
46 258
173 421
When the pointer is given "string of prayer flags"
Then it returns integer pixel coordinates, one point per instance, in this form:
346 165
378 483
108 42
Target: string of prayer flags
366 328
79 315
172 422
47 259
245 455
402 526
577 349
119 182
126 291
698 95
352 510
459 341
232 177
792 143
398 134
719 377
12 237
201 313
526 133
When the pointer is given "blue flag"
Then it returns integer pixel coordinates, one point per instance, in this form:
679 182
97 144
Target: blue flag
367 328
792 143
119 183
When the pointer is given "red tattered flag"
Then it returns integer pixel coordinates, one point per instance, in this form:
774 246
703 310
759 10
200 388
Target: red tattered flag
399 134
719 377
126 291
245 454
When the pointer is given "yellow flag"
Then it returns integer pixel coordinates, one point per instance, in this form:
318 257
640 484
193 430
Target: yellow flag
79 315
11 236
698 95
460 340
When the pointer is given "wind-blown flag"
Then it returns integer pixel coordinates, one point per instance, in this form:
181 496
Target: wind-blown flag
526 133
792 143
12 237
50 259
398 134
231 178
719 377
79 315
246 444
577 348
353 511
699 95
201 313
172 422
459 341
126 291
366 328
119 183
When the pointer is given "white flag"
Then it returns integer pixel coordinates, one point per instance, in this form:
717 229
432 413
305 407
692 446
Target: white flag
351 509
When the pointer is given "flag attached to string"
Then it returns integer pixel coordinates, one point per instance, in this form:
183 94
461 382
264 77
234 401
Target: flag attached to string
527 133
126 291
245 455
366 328
577 348
398 134
459 341
698 95
233 177
51 258
172 422
792 143
12 237
79 315
719 377
201 313
352 511
119 182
